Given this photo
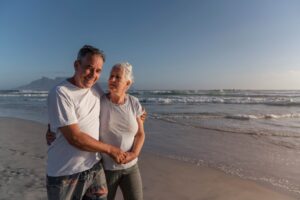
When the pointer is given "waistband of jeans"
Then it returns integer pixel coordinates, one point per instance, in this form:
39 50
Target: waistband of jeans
98 165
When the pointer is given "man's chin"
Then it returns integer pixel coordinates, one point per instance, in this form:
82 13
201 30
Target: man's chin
89 85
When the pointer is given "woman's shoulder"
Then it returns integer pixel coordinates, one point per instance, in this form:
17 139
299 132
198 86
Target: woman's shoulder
133 98
135 103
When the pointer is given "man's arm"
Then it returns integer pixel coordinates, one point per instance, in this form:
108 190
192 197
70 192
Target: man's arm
50 137
85 142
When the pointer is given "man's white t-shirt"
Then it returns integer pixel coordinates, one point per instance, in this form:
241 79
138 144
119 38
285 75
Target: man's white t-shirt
118 127
68 104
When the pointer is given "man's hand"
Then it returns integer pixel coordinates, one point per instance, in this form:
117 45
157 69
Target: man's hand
117 154
50 136
129 157
144 115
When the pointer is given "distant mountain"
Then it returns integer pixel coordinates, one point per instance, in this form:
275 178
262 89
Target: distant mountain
45 84
42 84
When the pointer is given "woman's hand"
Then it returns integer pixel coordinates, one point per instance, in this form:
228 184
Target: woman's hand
129 157
50 136
144 115
117 154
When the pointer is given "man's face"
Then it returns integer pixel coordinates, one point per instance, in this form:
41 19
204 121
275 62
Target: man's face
88 70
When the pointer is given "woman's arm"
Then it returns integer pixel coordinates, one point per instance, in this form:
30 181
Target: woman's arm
137 143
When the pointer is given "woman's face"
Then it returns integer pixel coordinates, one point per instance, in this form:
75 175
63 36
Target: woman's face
117 82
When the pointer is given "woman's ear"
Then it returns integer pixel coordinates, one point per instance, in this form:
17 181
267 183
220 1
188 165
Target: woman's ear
128 84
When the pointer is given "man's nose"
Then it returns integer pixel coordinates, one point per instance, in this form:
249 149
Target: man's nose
93 73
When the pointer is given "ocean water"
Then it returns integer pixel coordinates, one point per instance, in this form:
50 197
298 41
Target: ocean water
274 113
254 134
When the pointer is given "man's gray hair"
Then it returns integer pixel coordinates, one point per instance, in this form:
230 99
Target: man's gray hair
88 49
128 70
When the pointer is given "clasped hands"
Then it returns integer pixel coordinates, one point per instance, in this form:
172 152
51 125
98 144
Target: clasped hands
117 154
122 157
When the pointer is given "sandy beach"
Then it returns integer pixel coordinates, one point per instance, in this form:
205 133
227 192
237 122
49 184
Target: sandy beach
22 171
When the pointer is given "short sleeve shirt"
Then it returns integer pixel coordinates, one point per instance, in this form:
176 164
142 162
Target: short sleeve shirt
68 104
118 127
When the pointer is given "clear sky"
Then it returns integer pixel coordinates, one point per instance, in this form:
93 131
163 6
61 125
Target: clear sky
172 44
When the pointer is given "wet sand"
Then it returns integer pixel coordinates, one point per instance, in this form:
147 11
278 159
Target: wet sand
23 158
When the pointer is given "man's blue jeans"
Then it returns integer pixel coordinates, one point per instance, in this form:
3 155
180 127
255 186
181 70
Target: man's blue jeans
86 185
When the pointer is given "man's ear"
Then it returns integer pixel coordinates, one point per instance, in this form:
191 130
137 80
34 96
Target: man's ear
76 65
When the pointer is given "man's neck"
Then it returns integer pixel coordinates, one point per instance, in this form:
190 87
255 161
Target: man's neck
73 81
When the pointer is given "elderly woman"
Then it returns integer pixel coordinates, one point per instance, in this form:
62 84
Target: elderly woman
122 126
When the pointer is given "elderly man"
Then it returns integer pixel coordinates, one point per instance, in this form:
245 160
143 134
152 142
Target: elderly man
74 170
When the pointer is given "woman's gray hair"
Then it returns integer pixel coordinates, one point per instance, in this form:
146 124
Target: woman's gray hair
128 70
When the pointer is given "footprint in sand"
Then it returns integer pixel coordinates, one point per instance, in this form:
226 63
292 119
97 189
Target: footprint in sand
23 153
33 180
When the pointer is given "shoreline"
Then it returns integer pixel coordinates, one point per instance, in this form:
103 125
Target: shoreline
22 171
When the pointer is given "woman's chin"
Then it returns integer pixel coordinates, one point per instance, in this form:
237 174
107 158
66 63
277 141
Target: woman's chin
112 89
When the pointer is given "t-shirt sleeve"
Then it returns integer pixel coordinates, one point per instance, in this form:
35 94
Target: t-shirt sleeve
137 107
61 110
